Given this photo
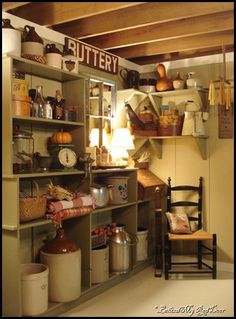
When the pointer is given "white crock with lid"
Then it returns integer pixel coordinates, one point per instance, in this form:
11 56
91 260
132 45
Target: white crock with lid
119 190
11 38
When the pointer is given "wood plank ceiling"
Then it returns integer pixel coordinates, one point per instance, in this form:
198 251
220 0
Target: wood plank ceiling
142 32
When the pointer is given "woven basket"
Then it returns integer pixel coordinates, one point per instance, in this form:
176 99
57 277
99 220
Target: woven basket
32 207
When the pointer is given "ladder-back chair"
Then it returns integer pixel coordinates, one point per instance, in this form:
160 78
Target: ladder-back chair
199 235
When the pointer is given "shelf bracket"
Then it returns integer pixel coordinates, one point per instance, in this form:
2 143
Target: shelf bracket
201 143
157 147
138 143
155 107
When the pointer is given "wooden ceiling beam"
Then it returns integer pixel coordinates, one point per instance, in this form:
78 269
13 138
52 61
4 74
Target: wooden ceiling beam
163 31
142 15
52 13
180 55
182 44
6 6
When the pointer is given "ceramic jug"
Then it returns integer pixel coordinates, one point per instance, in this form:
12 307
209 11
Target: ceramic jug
69 61
163 84
63 258
193 81
53 55
178 83
131 78
11 38
32 43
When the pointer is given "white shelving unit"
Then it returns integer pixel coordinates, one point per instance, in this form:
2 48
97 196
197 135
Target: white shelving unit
198 95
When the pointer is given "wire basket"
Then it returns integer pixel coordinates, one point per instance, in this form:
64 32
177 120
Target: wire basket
98 240
33 207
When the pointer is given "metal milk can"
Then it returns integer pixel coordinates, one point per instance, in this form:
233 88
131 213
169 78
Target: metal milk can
120 256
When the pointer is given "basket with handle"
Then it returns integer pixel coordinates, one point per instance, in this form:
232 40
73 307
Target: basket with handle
33 207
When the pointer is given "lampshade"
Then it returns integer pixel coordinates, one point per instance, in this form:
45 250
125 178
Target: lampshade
122 139
94 138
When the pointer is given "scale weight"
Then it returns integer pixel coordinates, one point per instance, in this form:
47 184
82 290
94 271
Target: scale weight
64 157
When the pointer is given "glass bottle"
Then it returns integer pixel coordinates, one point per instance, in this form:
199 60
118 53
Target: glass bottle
47 111
38 103
58 106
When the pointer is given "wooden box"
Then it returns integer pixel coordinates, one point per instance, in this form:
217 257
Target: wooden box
149 186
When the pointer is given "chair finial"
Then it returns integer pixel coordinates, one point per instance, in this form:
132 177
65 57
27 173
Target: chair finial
169 180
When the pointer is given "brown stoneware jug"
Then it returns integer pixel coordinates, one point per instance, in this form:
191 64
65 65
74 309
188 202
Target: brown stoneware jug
131 78
63 258
32 43
163 84
53 55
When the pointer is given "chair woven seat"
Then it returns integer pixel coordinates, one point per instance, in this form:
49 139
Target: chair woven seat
197 235
177 226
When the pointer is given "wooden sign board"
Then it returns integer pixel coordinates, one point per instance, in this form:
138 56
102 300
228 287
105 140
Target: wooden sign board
93 57
225 118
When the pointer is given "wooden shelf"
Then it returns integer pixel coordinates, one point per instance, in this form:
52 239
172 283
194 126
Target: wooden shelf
44 122
101 117
106 96
42 221
126 95
176 137
112 207
45 174
196 94
113 170
43 70
179 92
156 141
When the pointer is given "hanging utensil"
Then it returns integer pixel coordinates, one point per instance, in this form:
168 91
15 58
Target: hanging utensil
222 93
211 94
227 97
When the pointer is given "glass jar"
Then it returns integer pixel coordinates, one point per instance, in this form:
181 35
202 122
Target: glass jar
47 110
23 150
38 103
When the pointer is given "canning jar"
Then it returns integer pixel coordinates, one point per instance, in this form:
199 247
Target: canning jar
23 150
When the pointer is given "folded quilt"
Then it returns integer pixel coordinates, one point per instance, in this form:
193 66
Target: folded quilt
69 213
81 200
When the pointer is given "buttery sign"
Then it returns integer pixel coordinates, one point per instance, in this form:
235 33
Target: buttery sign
92 56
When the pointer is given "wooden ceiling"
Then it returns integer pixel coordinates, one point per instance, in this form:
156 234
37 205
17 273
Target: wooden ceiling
142 32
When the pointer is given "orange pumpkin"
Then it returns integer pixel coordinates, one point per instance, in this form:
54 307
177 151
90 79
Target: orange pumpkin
61 138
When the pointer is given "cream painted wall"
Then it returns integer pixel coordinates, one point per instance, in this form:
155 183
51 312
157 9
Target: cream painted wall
182 161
